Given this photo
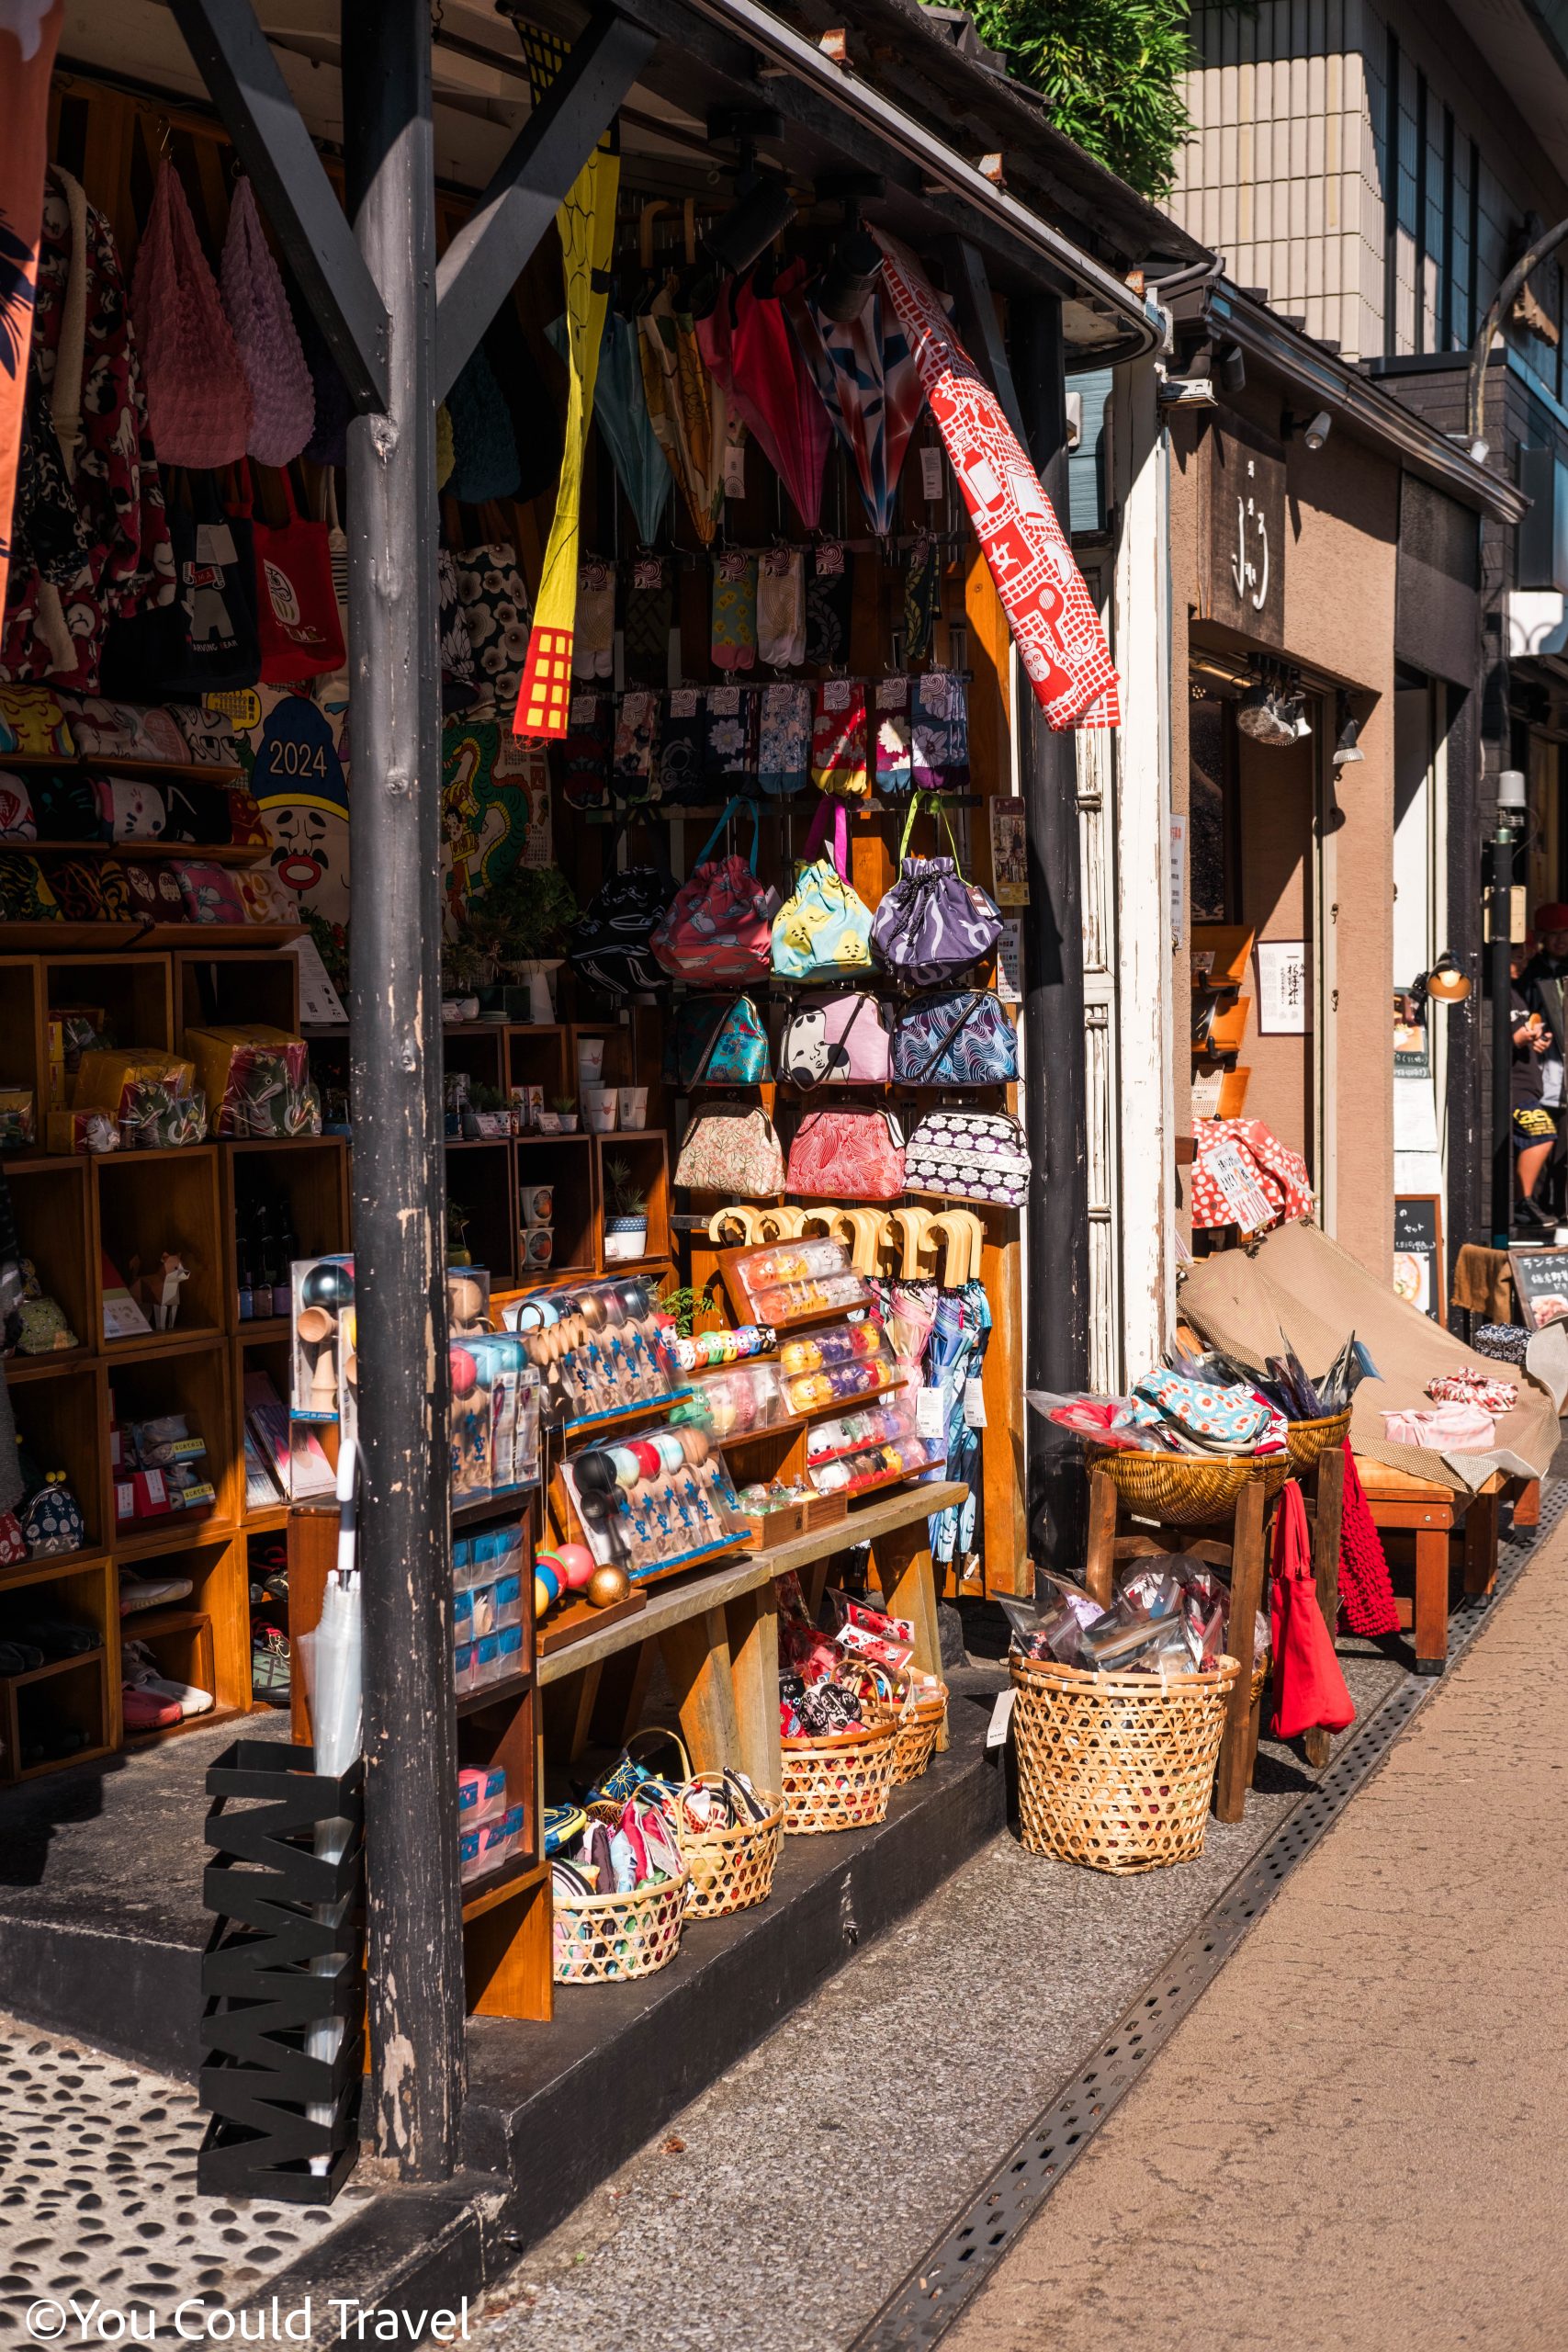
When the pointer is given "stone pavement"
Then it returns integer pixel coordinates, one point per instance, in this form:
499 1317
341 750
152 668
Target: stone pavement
1354 2141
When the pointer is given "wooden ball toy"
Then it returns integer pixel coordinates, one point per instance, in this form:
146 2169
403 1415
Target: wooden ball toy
607 1585
547 1589
574 1565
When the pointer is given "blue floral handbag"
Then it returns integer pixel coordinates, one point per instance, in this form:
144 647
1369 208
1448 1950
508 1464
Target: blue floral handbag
720 1040
955 1037
51 1518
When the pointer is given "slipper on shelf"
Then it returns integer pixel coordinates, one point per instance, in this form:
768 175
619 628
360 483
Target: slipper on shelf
146 1711
150 1592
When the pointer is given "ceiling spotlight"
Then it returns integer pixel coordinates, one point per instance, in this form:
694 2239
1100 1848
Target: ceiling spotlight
846 286
1231 369
1314 430
1347 727
763 210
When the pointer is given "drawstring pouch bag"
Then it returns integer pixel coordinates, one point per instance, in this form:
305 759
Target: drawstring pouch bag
720 1040
283 399
297 614
823 931
847 1155
836 1041
610 947
932 925
721 926
958 1037
731 1147
969 1155
198 396
1310 1693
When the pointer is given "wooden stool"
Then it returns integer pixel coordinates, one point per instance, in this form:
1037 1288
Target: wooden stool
1433 1513
1323 1489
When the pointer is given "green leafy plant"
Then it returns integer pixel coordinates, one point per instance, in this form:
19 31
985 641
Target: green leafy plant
464 968
522 917
1111 70
623 1196
564 1103
681 1302
486 1098
458 1218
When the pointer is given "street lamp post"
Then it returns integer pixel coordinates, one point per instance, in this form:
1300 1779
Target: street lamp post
1506 833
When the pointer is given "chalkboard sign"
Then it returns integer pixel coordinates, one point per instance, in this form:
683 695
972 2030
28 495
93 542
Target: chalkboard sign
1541 1286
1418 1253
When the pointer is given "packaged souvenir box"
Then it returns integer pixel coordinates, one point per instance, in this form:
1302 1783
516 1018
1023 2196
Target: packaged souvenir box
599 1347
662 1499
785 1281
837 1364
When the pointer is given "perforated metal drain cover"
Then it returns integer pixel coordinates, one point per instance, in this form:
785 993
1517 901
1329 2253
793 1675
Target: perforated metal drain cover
98 2198
930 2298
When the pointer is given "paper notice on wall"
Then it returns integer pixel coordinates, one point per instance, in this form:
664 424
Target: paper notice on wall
1009 855
319 1004
1010 962
1231 1173
1282 987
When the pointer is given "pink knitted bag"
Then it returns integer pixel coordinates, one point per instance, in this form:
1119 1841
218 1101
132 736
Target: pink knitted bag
198 401
282 396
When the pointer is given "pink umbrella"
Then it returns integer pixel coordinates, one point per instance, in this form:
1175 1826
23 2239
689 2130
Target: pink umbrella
747 344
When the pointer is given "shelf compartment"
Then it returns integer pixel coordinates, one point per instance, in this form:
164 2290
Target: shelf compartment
150 1202
482 1181
134 989
220 985
196 1382
62 1423
75 1697
50 1197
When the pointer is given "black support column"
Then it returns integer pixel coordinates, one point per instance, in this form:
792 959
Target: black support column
415 1919
1056 1310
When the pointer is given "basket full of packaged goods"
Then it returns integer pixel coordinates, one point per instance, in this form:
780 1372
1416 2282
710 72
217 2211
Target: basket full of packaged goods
846 1701
731 1834
619 1892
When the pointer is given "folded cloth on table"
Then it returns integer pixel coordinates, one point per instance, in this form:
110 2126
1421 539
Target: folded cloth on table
1468 1387
1450 1429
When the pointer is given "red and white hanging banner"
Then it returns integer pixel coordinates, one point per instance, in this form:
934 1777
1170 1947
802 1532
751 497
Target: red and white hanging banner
1050 611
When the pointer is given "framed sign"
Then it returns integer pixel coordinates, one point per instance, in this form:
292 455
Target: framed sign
1282 987
1244 535
1418 1273
1541 1286
1010 858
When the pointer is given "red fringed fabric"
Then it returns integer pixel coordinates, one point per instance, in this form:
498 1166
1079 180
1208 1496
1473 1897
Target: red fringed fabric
1366 1595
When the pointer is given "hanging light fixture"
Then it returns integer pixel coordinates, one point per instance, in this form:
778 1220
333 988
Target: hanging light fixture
763 207
1271 710
1445 981
1346 728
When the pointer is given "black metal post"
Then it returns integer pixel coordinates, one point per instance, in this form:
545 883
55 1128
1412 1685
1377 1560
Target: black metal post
1499 877
1057 1219
415 1918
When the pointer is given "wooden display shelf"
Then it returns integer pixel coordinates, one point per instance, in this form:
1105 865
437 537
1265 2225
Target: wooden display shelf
52 1666
51 1567
172 771
571 1624
156 1737
514 1878
141 853
170 1532
151 938
495 1694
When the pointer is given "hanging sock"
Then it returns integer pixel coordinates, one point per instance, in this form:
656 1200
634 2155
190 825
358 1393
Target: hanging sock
827 601
682 744
593 638
1049 609
581 761
649 613
838 740
893 749
784 749
781 607
633 764
729 749
922 599
734 645
586 223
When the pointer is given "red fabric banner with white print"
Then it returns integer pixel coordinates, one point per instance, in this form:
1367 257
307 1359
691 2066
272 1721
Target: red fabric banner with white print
1049 609
30 35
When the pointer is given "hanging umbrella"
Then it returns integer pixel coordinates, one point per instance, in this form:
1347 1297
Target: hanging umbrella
620 409
334 1677
689 408
869 383
748 344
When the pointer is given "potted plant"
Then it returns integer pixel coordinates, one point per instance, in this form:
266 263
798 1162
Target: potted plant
565 1108
491 1115
458 1250
626 1214
519 926
464 969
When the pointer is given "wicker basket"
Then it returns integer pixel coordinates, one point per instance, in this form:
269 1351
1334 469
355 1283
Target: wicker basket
1114 1770
731 1868
1305 1441
839 1782
1187 1489
920 1725
601 1938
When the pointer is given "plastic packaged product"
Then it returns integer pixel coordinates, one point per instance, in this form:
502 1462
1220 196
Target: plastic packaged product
469 1843
850 1474
509 1651
739 1401
487 1659
705 1350
323 1373
836 1365
481 1794
508 1601
659 1500
462 1615
887 1422
465 1669
257 1081
481 1606
599 1348
784 1280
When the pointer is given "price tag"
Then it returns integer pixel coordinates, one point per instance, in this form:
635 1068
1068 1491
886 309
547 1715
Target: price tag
684 702
893 694
735 469
635 708
974 1404
1001 1718
1010 962
647 571
931 472
931 1412
836 694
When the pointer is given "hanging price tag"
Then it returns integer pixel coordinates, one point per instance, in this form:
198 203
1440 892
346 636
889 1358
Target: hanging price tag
931 473
974 1404
724 702
931 1412
1001 1718
836 694
735 469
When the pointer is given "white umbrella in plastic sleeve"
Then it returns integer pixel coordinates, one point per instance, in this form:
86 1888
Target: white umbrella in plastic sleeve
334 1678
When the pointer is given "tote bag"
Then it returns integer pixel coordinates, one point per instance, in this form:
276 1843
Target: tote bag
198 397
824 929
297 614
1310 1688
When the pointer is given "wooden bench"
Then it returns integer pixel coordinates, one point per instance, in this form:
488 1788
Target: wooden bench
1434 1513
717 1632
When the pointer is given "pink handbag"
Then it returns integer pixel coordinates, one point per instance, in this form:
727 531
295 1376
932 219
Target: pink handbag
198 397
836 1041
851 1154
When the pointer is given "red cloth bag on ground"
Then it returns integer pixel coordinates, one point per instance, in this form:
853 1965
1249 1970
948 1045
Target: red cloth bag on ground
1311 1689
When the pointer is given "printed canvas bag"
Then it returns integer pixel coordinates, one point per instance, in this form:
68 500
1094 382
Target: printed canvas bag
824 929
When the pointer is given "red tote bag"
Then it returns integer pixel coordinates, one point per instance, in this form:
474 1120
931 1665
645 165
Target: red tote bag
297 608
1309 1687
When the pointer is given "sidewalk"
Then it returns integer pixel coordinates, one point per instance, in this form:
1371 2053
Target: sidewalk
1355 2143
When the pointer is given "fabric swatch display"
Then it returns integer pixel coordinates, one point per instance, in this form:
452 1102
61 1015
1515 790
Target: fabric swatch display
939 733
749 346
729 748
647 616
586 224
781 607
682 746
838 740
494 597
784 749
734 610
27 44
871 388
1049 609
593 631
688 408
828 604
893 736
